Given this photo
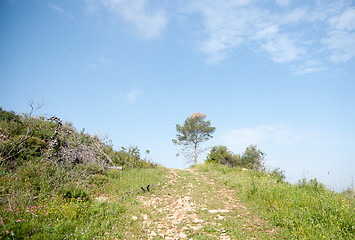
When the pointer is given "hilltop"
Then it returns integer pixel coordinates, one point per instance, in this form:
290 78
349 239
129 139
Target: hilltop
60 183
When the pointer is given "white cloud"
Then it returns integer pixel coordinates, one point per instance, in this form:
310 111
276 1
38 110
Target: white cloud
61 10
133 94
292 34
237 140
149 23
346 21
310 66
283 3
293 17
56 8
296 32
92 6
283 49
341 36
232 24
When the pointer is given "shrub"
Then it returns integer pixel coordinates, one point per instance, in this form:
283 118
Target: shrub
313 185
220 154
278 175
252 158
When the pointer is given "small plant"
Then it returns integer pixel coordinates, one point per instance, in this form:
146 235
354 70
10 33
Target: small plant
278 175
98 179
73 191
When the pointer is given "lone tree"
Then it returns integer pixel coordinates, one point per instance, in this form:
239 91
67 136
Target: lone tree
190 135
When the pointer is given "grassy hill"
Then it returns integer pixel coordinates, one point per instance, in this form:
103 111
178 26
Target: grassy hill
59 183
307 210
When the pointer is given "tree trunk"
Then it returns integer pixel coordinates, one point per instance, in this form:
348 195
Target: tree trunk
195 153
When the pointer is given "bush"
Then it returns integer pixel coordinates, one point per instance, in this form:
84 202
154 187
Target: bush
252 158
278 175
220 154
131 158
313 185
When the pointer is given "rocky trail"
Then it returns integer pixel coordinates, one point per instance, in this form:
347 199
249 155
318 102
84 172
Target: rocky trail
193 206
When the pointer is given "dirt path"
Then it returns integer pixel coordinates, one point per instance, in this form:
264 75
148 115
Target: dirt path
193 206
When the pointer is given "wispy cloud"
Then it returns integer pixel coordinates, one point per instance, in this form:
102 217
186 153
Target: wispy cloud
61 10
341 36
149 23
105 61
286 35
239 139
309 66
91 66
283 3
133 94
295 32
95 62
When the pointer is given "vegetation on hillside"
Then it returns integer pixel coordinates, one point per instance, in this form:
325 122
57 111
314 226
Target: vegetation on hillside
252 158
51 175
59 183
307 210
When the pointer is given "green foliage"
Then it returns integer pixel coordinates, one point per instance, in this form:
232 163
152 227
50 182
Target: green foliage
190 135
312 185
74 212
93 168
131 157
98 179
252 158
278 175
74 191
221 155
307 210
50 175
113 173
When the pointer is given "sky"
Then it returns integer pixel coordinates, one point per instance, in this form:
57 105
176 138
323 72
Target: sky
275 73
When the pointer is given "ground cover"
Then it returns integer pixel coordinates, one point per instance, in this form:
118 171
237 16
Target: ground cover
306 210
97 214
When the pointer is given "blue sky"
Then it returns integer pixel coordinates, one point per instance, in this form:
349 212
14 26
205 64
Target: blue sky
276 73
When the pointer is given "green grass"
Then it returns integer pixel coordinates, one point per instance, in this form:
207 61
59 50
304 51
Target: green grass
92 211
306 210
53 182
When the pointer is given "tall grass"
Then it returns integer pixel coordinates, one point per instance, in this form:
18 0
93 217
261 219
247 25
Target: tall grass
307 210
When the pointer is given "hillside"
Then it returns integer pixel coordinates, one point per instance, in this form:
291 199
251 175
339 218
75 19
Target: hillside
59 183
